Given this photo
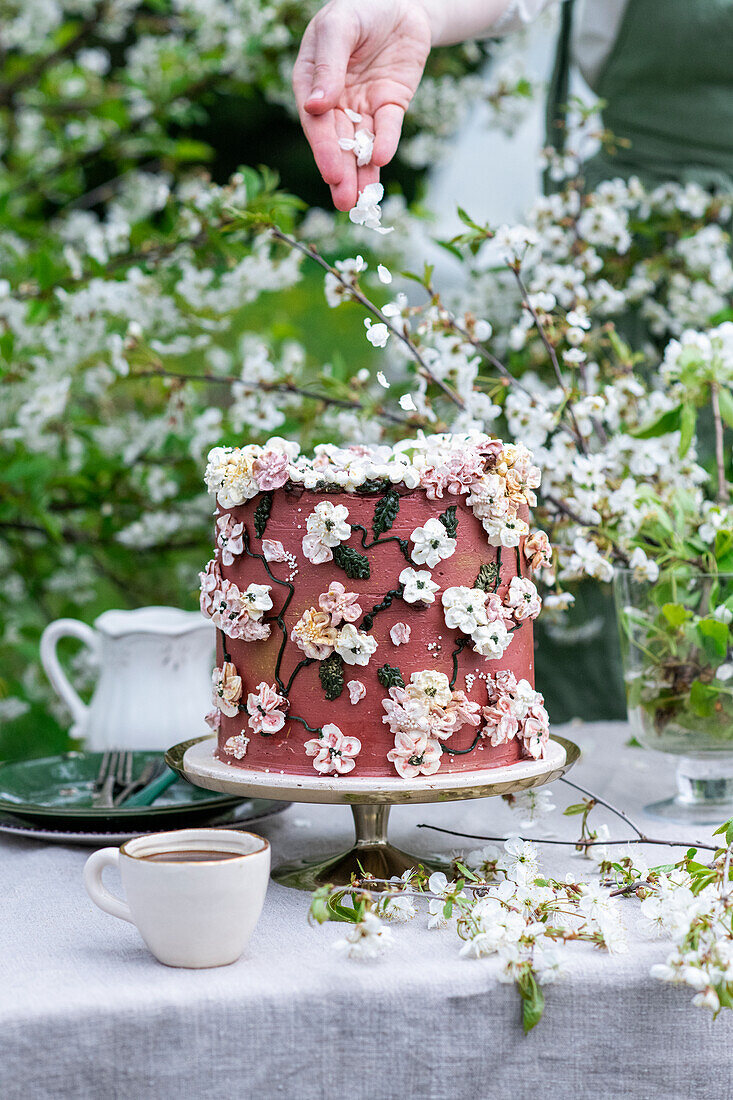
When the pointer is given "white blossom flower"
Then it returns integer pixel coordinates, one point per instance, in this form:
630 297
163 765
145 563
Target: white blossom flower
362 146
365 940
377 334
367 211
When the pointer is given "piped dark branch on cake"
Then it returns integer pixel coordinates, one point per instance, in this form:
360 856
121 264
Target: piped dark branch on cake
393 594
280 617
461 644
461 752
402 543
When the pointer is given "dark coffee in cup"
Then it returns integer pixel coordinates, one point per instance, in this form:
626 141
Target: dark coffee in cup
190 855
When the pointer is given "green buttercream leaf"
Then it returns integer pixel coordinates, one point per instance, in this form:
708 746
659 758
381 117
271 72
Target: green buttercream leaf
262 514
354 564
385 512
389 676
487 577
449 520
331 673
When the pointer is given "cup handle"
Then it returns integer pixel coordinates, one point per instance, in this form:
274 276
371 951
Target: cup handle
64 628
98 892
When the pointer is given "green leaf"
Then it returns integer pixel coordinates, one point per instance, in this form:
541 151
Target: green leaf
262 514
676 614
688 423
667 422
725 400
487 577
576 808
533 1001
385 512
449 520
331 675
703 698
354 564
714 636
389 676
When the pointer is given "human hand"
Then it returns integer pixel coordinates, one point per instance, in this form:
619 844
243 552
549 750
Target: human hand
367 58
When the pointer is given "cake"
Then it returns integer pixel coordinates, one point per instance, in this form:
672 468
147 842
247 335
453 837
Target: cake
374 608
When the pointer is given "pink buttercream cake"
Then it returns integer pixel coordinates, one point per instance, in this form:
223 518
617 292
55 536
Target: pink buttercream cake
374 608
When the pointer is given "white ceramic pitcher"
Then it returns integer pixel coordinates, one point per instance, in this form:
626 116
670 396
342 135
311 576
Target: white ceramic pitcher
154 684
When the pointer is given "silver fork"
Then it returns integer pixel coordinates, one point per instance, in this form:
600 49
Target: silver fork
115 770
104 785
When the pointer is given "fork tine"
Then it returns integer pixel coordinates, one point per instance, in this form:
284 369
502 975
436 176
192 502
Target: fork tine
103 769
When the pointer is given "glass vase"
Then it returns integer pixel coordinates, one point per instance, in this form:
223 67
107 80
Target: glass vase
678 673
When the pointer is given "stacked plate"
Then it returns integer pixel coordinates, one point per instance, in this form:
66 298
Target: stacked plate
51 799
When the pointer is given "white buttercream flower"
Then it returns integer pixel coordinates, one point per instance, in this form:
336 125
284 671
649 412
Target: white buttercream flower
435 686
355 646
257 599
465 609
432 543
492 640
418 586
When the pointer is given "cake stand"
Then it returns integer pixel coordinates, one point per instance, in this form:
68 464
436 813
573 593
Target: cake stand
370 801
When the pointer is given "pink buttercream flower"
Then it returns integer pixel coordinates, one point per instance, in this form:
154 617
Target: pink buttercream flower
266 710
535 731
537 551
341 605
415 754
213 720
334 751
273 550
315 551
229 538
227 689
461 711
271 470
455 475
495 609
314 634
400 633
524 599
356 689
211 581
253 631
501 724
237 746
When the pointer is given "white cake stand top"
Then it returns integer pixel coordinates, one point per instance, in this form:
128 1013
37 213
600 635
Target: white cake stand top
196 762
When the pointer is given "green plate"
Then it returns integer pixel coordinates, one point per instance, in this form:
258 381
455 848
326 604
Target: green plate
57 791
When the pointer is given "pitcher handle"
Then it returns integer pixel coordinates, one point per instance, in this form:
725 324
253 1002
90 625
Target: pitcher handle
67 628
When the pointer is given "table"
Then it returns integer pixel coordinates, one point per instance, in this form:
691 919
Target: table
85 1012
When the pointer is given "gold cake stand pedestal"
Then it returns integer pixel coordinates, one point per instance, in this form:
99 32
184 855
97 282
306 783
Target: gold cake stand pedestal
370 801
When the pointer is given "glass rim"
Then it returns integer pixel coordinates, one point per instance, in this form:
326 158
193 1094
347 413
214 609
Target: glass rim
625 571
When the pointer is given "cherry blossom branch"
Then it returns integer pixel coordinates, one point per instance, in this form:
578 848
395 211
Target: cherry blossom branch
580 842
272 387
32 74
553 357
358 296
602 802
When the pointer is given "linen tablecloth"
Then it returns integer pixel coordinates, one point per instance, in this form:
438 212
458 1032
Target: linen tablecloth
86 1012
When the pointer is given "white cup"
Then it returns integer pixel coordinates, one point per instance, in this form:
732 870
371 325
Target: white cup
189 913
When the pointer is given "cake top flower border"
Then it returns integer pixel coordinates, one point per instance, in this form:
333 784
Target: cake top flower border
445 464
